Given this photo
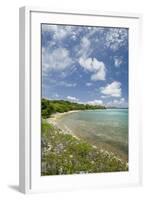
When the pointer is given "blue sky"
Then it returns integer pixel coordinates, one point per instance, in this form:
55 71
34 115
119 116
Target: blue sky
85 64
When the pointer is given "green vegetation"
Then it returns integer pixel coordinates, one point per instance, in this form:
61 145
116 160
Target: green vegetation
64 154
49 107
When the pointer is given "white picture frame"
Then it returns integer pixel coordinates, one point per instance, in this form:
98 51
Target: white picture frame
29 160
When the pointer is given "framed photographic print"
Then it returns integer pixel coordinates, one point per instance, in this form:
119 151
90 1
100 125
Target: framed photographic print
79 96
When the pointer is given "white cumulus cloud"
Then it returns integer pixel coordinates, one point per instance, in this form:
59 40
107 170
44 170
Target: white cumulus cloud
85 43
118 103
116 38
118 61
95 102
66 84
113 89
96 67
88 84
59 32
57 60
70 98
104 97
83 49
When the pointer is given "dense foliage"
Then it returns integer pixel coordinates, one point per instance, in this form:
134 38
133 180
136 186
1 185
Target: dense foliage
64 154
49 107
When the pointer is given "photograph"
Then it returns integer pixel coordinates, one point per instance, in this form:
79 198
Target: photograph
84 99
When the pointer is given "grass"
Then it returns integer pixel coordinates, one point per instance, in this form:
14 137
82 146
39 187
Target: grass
64 154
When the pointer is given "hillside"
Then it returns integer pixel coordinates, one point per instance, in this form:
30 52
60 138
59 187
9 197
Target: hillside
49 107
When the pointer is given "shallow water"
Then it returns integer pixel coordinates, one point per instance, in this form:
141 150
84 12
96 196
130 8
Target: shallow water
107 129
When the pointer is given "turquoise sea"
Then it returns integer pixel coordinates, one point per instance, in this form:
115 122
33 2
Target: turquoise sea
107 129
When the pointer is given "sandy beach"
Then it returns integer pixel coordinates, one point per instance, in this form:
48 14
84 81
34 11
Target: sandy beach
54 121
56 116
